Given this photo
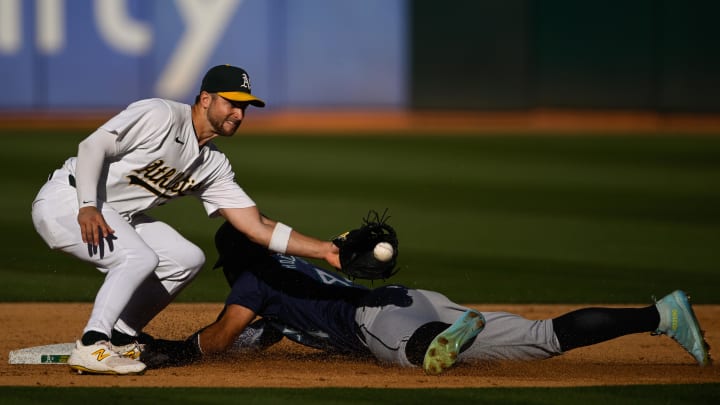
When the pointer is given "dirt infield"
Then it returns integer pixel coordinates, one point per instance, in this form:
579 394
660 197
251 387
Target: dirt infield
636 359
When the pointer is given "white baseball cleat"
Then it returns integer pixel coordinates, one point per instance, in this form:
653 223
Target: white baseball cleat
100 358
131 351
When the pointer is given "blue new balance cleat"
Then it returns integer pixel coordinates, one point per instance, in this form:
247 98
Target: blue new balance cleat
444 349
677 320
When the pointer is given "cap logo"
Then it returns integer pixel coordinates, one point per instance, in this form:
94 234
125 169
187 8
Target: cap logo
246 81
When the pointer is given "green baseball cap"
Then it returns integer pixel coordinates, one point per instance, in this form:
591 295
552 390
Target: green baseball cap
230 82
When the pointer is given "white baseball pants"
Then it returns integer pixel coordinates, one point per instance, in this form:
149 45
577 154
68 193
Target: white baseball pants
146 262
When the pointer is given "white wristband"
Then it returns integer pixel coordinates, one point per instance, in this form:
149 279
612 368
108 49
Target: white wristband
280 238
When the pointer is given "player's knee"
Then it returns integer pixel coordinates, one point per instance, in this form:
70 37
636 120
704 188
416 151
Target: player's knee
182 268
142 260
191 260
135 264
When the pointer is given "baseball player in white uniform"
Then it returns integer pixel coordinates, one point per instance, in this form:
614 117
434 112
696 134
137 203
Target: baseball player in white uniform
154 151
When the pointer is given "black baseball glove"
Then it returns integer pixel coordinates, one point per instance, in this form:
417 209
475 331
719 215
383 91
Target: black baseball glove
357 249
162 353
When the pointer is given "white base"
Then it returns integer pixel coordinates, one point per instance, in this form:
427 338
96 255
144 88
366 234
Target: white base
48 354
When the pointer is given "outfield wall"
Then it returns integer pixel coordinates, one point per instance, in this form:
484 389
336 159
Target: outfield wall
660 55
649 55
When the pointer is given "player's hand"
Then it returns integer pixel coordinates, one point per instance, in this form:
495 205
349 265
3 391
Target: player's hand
333 256
93 226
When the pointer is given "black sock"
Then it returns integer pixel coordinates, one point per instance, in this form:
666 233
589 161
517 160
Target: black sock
418 343
589 326
121 339
90 337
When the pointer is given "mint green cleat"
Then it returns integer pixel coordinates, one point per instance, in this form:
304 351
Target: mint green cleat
677 320
444 349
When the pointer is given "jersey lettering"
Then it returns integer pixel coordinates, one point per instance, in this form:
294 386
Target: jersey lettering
330 279
161 180
290 262
287 261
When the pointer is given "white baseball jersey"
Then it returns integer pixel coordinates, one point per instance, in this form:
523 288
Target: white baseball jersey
161 161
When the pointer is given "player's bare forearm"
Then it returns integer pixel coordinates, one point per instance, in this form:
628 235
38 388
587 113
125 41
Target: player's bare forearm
250 222
303 245
260 230
307 246
218 337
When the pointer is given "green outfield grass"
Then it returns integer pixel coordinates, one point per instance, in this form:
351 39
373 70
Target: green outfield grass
502 219
508 219
698 394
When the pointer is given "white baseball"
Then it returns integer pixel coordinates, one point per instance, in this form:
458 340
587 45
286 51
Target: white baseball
383 251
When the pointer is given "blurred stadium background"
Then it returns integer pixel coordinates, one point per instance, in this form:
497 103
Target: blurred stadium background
475 64
528 218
